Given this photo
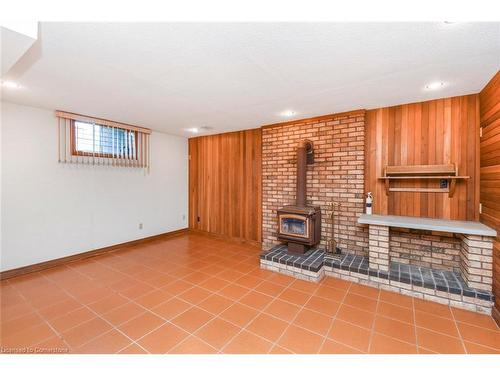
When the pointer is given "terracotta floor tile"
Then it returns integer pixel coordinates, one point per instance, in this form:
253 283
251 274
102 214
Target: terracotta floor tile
473 348
435 323
267 326
485 337
142 290
141 325
394 328
322 305
294 296
111 342
194 295
365 291
72 319
469 317
282 310
192 319
334 282
177 287
239 314
196 277
218 332
276 349
133 349
28 337
83 333
281 279
233 291
330 293
300 341
438 343
60 308
304 286
171 308
193 345
313 321
24 322
381 344
395 312
215 304
230 275
361 302
248 343
248 281
162 339
270 289
153 299
350 335
256 300
107 304
53 345
396 299
214 284
433 308
356 316
123 313
332 347
136 290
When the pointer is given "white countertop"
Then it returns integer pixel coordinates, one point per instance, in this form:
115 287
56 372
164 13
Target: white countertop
439 225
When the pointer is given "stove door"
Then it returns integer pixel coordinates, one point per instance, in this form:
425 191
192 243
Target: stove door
294 225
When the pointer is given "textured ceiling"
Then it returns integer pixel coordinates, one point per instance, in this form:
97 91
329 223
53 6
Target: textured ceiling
230 76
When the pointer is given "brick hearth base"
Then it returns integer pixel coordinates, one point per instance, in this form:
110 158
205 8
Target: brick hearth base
445 287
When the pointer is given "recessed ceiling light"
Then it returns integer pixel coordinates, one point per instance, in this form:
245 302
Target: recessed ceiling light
287 113
434 86
10 85
193 130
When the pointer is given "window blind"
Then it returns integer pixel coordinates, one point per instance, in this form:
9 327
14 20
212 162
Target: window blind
95 141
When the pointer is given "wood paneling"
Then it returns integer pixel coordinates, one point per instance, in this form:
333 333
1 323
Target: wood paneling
442 131
490 173
225 185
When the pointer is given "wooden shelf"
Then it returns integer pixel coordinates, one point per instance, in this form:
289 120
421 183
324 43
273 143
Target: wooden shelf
447 172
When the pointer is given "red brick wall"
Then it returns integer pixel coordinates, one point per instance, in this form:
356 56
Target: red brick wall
337 175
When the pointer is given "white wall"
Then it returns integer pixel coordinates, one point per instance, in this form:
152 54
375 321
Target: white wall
51 210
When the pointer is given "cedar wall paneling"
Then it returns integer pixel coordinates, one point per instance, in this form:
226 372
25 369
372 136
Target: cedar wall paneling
225 185
490 173
441 131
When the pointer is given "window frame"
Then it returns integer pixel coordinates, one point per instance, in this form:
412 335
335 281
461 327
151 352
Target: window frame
75 152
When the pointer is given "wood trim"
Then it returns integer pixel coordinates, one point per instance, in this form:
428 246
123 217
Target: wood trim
315 119
88 254
101 121
225 237
495 314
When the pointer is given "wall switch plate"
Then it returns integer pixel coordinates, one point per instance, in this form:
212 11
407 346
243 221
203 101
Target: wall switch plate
140 225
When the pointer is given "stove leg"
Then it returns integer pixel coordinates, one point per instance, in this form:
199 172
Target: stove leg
296 248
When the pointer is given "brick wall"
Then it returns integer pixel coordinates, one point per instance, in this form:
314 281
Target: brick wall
425 248
337 175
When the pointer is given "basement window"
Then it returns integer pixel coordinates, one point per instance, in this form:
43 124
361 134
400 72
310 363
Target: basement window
89 139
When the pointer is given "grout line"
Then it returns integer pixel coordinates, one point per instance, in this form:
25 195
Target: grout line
335 317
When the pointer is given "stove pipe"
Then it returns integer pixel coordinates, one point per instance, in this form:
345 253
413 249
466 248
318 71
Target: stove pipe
301 174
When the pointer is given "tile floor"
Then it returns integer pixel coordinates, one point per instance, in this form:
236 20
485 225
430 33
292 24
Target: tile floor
196 294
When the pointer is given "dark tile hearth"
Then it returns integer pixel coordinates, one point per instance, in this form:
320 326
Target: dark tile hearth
315 259
312 260
445 281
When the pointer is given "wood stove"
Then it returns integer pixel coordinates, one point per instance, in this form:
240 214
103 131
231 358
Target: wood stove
300 225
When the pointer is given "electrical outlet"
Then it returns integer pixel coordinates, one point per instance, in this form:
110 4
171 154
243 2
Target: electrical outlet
140 225
183 217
